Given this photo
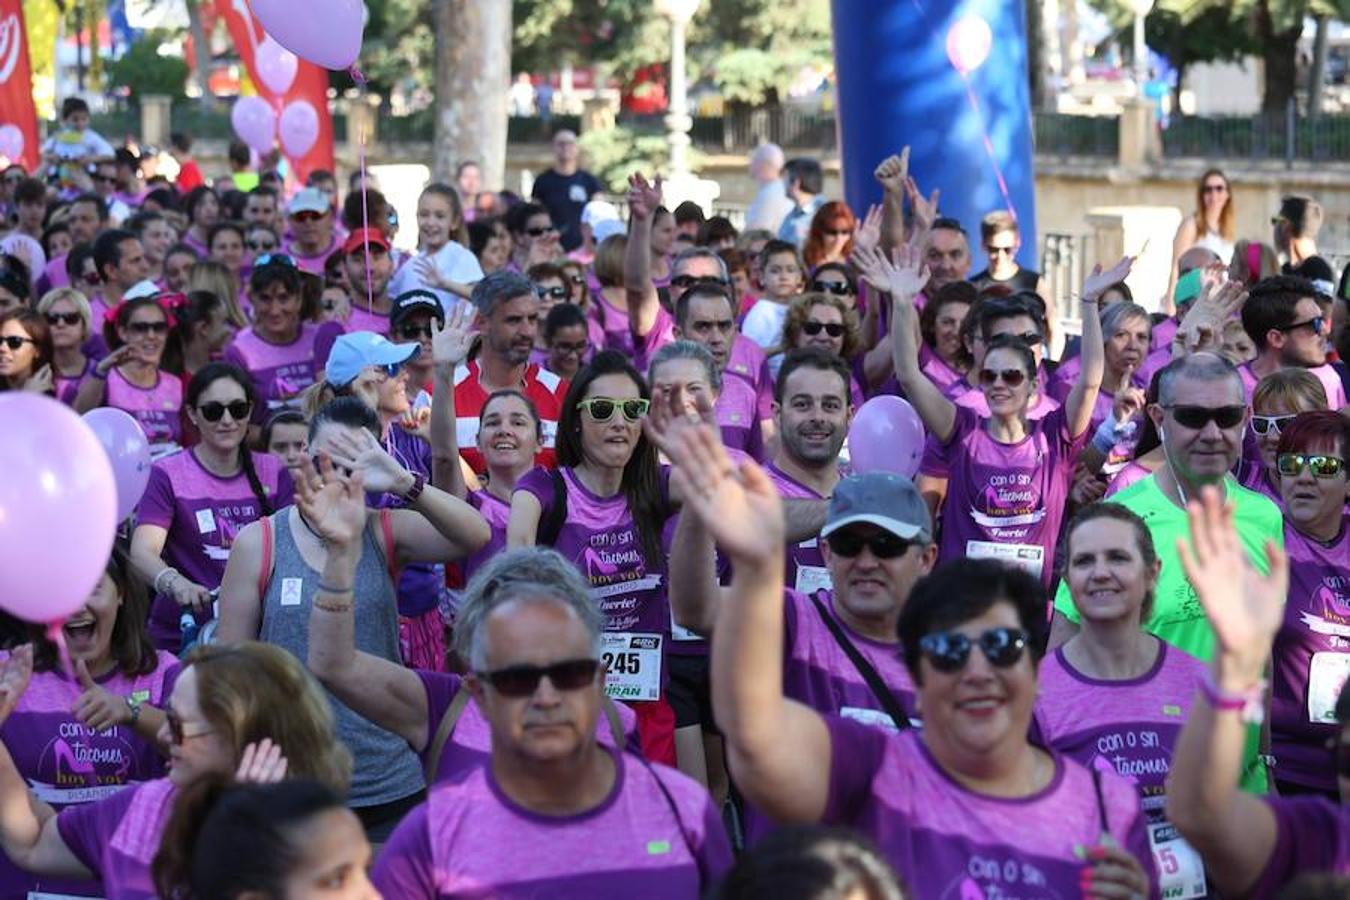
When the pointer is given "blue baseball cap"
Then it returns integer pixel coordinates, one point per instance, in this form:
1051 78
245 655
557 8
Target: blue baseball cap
353 352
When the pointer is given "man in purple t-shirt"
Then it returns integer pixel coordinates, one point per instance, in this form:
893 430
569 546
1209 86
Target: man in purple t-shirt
553 813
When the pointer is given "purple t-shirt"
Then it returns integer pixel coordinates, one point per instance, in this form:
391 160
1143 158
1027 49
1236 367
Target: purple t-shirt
363 319
1251 474
937 370
737 413
747 360
497 513
806 572
281 371
67 388
470 743
203 513
157 408
946 841
469 840
1061 385
314 265
1311 835
66 764
1311 659
1006 501
117 837
933 463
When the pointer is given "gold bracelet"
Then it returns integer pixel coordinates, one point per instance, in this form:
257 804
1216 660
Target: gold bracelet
333 607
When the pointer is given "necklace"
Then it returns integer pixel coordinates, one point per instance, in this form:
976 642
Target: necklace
323 541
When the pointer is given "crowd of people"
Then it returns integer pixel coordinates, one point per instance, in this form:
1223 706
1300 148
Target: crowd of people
532 562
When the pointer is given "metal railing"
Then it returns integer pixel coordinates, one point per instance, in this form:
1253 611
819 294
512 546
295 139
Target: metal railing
1289 137
1064 136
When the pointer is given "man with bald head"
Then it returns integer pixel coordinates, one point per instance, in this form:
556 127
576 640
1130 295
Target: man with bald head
565 189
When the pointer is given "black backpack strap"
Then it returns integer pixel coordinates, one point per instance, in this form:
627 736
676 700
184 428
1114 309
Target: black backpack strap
878 687
551 525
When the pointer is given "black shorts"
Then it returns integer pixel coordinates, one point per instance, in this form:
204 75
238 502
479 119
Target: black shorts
690 691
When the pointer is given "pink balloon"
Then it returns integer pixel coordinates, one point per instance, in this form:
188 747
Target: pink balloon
299 128
254 122
886 436
11 142
332 39
128 451
969 41
58 509
276 66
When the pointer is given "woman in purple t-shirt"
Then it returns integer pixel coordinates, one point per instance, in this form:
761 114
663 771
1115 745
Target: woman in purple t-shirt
130 377
198 500
617 499
1008 475
250 710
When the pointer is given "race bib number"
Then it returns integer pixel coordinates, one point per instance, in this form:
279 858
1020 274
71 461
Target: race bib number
1028 557
813 578
1181 873
1326 677
632 665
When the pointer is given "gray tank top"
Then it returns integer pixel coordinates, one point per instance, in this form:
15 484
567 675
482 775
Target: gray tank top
384 766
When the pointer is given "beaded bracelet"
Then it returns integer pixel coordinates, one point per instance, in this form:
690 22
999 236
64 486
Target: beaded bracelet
1251 702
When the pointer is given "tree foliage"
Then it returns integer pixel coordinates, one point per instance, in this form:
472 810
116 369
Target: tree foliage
142 70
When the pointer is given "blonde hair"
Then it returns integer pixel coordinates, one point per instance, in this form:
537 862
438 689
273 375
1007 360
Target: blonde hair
250 691
608 262
800 308
1296 389
80 302
209 275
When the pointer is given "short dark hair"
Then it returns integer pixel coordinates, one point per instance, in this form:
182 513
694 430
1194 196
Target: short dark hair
718 228
96 201
1271 304
238 153
108 248
701 290
351 412
813 358
180 142
562 315
990 311
947 223
806 172
964 589
776 247
689 211
319 175
263 190
520 214
1016 345
30 190
72 105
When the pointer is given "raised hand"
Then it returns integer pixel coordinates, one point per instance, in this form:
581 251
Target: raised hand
869 263
925 211
451 341
360 453
643 196
893 172
15 673
673 411
1245 607
867 233
122 354
334 504
426 270
906 274
261 763
1129 400
41 382
98 708
1098 281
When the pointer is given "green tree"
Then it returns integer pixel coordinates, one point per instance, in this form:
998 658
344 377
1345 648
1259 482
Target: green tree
142 70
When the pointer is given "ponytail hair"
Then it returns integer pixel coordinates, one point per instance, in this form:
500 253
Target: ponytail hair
197 307
215 826
208 375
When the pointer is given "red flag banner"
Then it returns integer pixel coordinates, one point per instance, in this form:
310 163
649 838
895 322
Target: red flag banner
18 116
311 83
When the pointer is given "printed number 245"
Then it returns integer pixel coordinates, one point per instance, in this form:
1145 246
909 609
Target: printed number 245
622 663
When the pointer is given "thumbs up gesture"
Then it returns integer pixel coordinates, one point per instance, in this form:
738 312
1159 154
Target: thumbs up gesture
98 708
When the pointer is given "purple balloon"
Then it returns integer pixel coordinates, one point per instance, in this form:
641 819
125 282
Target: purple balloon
128 451
886 436
276 66
333 43
254 122
58 509
299 128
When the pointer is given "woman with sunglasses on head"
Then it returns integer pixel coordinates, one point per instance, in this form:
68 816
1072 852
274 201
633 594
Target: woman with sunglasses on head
284 351
68 314
250 712
25 352
203 212
1310 659
197 501
75 740
1276 400
444 264
603 508
966 806
828 322
1008 475
277 564
131 377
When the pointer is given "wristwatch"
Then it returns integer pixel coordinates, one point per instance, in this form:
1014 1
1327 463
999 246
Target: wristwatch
134 704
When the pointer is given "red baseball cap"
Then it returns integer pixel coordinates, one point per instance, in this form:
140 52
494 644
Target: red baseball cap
362 236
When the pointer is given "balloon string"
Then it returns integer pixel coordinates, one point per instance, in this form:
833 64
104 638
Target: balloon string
365 223
56 633
988 144
357 76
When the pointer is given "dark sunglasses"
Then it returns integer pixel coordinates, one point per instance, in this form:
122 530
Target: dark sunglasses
1197 417
415 332
602 408
949 651
179 733
1011 377
838 288
15 341
274 259
833 329
540 232
1263 424
523 681
1323 466
71 319
1214 189
144 328
688 281
999 251
883 544
308 215
1318 324
556 293
214 411
256 246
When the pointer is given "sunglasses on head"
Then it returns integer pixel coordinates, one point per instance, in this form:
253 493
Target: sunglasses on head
1322 465
144 328
71 319
215 411
949 651
540 232
883 545
16 341
1273 424
555 293
1197 417
833 329
838 288
1011 377
307 215
179 732
688 281
1318 324
523 681
602 408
